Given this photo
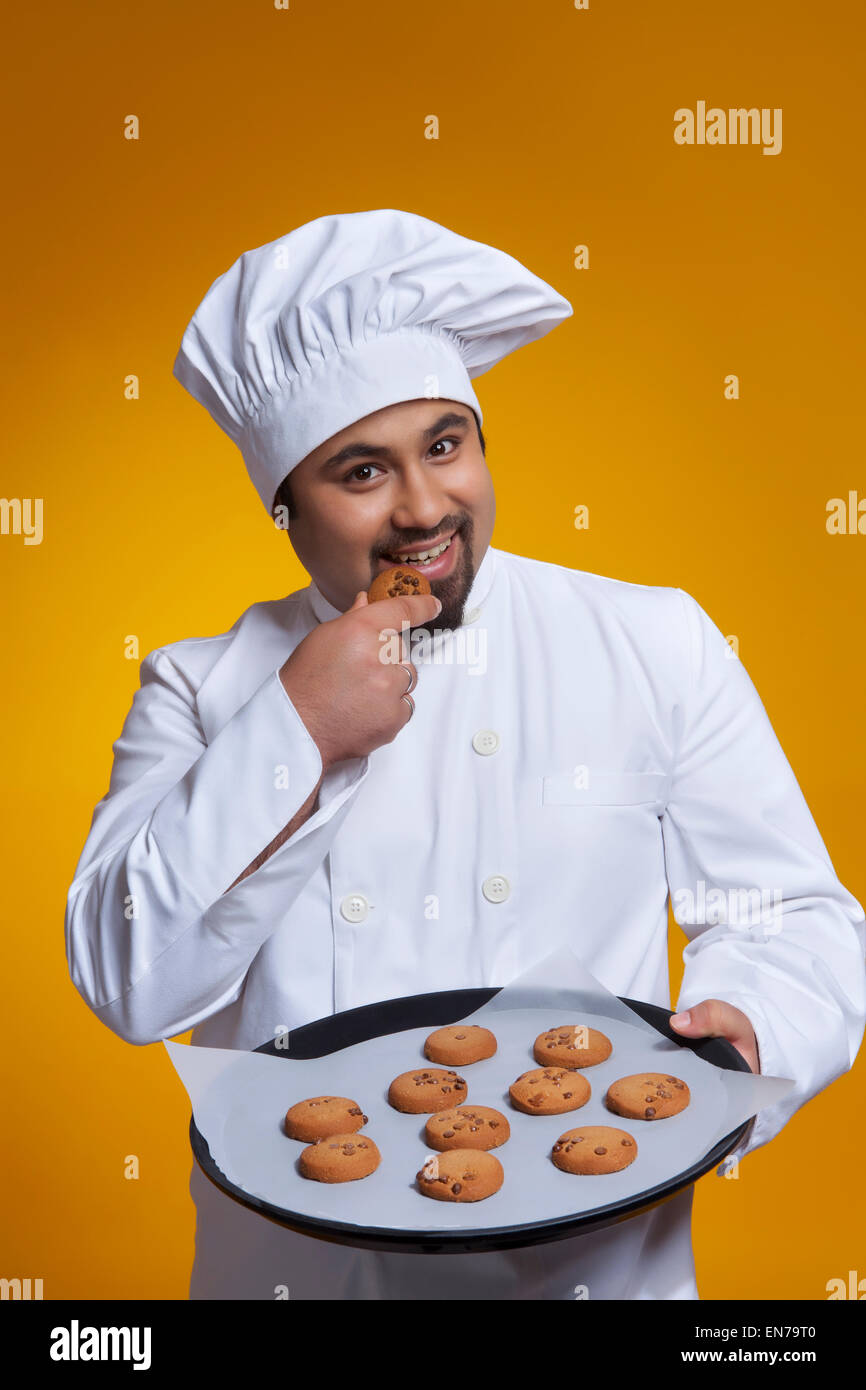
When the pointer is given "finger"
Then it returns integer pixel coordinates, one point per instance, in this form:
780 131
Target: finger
407 608
714 1018
411 704
360 601
412 673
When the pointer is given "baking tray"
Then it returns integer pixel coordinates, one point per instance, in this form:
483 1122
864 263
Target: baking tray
337 1031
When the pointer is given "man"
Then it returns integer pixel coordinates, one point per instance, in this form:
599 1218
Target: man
295 826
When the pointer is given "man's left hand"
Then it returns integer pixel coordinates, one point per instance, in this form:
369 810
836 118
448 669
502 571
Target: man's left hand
713 1018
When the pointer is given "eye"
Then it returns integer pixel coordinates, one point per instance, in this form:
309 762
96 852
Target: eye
449 440
361 473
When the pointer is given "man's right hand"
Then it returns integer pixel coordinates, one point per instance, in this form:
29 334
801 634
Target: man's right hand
349 700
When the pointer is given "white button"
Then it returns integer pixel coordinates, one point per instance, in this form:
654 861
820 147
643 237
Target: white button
472 616
496 889
354 908
486 741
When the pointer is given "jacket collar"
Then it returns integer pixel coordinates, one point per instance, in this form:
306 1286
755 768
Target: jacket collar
258 646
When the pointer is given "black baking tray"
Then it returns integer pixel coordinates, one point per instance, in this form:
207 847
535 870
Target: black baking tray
331 1034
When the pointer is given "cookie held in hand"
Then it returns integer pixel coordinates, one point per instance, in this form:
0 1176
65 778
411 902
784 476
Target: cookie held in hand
396 582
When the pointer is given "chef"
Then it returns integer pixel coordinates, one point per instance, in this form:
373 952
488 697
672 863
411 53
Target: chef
297 825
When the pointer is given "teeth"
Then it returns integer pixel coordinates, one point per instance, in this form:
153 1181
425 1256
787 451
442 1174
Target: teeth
423 555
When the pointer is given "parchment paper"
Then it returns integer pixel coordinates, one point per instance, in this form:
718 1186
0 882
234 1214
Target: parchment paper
239 1100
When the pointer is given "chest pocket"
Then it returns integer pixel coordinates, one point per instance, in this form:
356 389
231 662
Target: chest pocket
607 789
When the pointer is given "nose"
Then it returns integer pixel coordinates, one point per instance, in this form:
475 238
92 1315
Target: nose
421 503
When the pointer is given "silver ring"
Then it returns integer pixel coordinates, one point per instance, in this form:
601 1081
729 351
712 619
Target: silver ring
411 703
413 678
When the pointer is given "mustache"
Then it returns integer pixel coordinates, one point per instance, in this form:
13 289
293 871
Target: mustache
420 539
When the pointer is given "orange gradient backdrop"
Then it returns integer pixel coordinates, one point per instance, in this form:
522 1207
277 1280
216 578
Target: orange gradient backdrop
556 129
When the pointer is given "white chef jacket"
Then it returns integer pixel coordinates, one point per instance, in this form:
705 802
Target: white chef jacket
614 751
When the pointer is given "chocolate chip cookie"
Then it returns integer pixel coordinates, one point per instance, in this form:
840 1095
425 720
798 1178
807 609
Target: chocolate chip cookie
397 581
321 1116
572 1045
648 1095
422 1092
460 1175
594 1149
340 1158
460 1045
549 1091
467 1127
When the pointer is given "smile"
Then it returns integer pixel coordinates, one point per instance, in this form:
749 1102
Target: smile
423 557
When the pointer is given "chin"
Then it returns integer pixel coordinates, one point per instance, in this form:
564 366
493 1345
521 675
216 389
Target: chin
451 615
452 593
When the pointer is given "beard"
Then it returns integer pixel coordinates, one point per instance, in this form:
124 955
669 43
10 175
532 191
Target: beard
453 591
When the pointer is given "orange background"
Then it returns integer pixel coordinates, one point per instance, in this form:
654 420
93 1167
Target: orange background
556 128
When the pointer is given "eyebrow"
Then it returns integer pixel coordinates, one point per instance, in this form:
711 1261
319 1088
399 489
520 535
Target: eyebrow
362 450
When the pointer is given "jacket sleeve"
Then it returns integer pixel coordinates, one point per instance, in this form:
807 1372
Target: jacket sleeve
771 929
154 942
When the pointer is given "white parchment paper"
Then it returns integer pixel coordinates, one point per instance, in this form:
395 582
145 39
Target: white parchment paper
239 1100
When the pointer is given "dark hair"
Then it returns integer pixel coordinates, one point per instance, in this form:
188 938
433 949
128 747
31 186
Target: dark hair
283 495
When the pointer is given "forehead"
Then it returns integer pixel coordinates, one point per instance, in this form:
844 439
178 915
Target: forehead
398 419
392 426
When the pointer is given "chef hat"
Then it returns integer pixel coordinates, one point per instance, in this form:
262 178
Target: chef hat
345 315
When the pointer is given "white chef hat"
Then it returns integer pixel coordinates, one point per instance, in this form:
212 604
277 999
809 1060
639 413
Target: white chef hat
345 315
